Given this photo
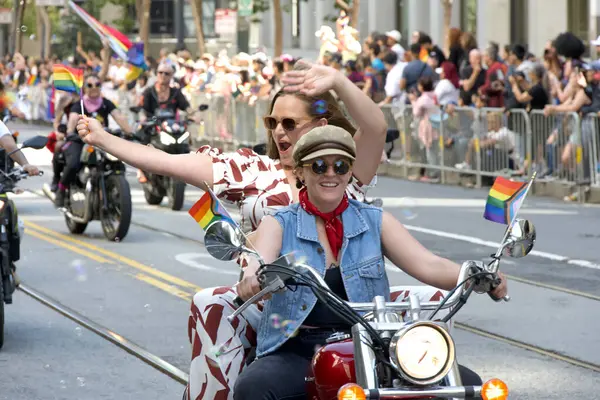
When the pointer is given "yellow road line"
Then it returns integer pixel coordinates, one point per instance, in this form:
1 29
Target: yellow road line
164 286
117 257
525 346
67 246
553 287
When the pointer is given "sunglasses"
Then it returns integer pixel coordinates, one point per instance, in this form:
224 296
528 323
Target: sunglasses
167 73
288 124
93 85
320 167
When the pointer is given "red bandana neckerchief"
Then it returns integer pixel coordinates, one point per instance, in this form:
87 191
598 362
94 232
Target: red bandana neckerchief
333 225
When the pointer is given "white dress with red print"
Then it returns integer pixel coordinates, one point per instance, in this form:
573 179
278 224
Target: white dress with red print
258 186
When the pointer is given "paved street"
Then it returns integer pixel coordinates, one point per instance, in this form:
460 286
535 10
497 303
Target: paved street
543 343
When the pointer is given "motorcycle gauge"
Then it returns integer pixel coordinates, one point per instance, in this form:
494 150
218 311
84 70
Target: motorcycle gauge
423 352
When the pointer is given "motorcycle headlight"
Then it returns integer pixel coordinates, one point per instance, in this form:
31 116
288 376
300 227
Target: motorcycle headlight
166 139
183 137
423 352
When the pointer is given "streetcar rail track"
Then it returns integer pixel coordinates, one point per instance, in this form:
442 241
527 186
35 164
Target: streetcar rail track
108 334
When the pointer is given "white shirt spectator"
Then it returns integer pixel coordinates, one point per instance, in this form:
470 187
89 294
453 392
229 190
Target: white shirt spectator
392 84
446 92
505 139
399 50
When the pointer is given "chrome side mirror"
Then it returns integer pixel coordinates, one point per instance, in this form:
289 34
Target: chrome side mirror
521 239
224 241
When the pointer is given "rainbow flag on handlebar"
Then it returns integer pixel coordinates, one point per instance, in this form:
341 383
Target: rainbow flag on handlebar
208 210
504 200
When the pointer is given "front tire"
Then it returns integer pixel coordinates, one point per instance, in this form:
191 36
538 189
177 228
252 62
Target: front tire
119 208
76 228
176 195
151 198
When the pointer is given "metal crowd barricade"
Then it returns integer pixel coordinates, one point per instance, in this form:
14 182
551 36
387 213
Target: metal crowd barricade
468 143
557 146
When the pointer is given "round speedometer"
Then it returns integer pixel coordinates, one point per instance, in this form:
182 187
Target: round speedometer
423 352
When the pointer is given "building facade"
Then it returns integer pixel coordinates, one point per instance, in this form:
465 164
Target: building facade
529 22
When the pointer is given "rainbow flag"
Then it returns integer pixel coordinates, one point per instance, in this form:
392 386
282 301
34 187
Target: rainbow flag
208 210
67 79
33 80
504 200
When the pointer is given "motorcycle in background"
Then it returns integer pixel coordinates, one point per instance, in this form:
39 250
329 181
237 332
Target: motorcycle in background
11 230
100 192
165 133
377 359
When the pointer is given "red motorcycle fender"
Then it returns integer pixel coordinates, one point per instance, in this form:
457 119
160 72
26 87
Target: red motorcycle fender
332 367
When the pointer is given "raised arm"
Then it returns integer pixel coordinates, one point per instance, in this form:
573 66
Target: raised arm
313 79
190 168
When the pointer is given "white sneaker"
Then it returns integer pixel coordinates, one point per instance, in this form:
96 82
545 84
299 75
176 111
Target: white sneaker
462 165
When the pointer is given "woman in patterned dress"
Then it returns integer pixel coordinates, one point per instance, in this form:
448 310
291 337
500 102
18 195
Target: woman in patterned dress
258 185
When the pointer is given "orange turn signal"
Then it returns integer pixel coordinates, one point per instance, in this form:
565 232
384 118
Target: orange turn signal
15 133
494 389
351 391
90 149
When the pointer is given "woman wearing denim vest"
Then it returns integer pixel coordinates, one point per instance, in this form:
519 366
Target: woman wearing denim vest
343 239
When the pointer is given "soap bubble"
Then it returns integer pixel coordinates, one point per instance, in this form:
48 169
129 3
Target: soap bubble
408 208
80 381
319 107
79 270
47 366
23 28
289 328
63 384
148 307
78 331
275 320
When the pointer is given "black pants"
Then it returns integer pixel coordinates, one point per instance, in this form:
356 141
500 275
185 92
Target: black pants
72 154
280 376
57 162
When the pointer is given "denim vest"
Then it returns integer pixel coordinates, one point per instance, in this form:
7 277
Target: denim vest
361 262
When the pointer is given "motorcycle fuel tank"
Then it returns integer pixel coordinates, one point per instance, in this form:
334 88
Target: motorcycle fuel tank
332 367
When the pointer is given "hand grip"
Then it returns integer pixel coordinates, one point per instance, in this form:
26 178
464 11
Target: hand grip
238 301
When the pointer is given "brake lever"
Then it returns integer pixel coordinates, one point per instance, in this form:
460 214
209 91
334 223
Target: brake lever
275 285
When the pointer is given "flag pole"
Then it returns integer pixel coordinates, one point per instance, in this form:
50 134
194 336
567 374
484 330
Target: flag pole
514 218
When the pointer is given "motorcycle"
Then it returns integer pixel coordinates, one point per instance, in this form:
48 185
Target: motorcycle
165 133
11 228
100 192
391 352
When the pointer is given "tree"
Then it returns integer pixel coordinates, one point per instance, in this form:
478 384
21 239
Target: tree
144 17
278 21
198 15
447 6
21 7
352 9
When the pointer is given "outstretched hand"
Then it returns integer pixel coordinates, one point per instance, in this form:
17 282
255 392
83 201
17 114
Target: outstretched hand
312 81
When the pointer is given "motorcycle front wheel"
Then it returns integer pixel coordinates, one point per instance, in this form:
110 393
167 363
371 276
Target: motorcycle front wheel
116 221
176 195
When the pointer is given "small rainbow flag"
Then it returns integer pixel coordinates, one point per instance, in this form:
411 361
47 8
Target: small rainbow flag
504 200
208 210
67 79
33 80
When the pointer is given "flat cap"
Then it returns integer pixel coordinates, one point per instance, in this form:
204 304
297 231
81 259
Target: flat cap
323 141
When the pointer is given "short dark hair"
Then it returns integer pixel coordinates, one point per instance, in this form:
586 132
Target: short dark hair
426 83
519 51
390 58
415 48
424 39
